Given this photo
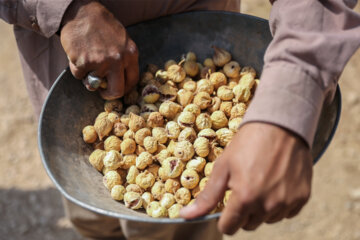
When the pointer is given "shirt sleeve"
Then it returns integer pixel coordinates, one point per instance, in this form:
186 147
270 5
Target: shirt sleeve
312 42
42 16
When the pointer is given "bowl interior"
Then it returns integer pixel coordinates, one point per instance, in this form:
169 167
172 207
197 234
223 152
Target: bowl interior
69 106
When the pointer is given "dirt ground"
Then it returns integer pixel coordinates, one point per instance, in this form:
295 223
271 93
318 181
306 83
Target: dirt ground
31 208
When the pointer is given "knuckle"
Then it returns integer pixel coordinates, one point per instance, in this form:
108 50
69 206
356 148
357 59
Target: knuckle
303 198
132 49
251 227
248 197
96 60
81 62
132 46
230 231
103 58
115 56
294 212
303 201
76 72
273 205
72 58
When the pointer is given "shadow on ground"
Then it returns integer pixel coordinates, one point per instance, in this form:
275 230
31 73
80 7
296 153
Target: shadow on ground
33 215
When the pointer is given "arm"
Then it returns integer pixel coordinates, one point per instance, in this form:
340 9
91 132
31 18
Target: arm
268 165
42 16
313 40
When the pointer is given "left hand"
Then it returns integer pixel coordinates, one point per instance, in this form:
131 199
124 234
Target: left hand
269 171
95 41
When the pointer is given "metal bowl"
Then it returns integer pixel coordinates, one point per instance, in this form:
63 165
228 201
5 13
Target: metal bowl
69 106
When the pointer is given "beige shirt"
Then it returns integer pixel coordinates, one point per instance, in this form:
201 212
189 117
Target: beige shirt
312 42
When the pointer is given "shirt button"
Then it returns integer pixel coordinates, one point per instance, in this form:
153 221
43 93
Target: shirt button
34 23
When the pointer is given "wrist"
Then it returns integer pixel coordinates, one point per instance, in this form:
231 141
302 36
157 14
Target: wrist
277 133
76 9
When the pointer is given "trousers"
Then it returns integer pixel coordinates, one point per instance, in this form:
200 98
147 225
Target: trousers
96 226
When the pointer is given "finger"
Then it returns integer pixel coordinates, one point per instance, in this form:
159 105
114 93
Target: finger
102 70
132 68
295 210
115 84
234 216
277 213
286 212
257 216
132 76
78 73
276 216
212 193
254 222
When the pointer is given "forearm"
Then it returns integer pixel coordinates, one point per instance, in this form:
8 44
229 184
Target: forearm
312 42
42 16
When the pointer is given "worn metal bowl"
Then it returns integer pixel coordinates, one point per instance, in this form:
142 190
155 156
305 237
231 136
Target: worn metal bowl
69 106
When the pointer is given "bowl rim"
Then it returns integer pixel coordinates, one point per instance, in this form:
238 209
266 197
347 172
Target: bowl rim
137 218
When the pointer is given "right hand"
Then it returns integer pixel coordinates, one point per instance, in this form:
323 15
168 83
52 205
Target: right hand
95 41
268 169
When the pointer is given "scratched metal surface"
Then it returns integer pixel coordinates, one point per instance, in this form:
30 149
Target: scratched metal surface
69 106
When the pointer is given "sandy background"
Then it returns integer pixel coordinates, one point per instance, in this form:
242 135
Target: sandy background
30 206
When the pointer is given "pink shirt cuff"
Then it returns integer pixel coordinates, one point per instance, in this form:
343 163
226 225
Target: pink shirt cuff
288 97
41 16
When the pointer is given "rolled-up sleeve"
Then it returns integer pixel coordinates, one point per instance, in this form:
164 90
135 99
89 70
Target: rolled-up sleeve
313 40
42 16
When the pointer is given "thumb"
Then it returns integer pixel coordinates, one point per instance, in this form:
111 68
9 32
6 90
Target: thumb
212 193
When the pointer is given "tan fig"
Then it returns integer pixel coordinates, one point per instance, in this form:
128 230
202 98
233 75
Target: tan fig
232 69
176 73
89 134
191 68
218 79
208 62
113 105
152 68
169 63
146 77
131 97
136 122
246 70
103 125
190 56
184 97
167 92
150 93
206 71
221 56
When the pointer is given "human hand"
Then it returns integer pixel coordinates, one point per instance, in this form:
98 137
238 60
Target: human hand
95 41
269 171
